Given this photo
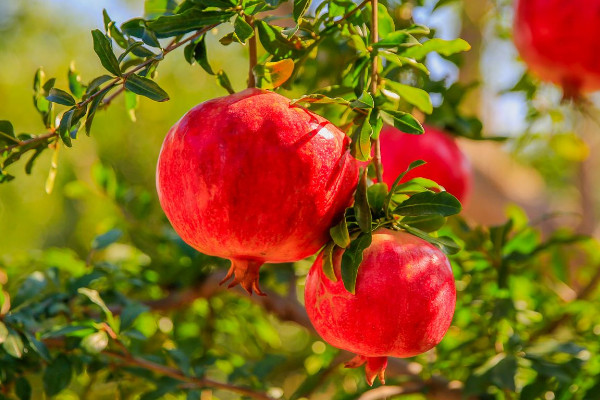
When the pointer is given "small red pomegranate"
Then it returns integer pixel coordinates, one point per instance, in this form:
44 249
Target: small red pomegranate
402 306
559 40
446 164
254 179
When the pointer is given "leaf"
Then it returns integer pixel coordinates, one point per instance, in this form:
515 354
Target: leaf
188 21
102 241
7 133
75 85
224 82
131 104
412 95
300 8
92 110
362 210
426 223
327 255
38 347
95 298
65 126
441 46
23 388
103 48
376 194
95 343
376 123
60 97
318 98
273 74
145 87
339 234
196 51
405 122
364 101
388 199
156 8
242 29
429 203
352 258
57 375
13 344
97 82
130 314
3 332
361 141
446 244
274 42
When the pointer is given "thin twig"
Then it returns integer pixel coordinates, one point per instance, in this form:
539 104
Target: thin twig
253 58
179 375
39 138
374 82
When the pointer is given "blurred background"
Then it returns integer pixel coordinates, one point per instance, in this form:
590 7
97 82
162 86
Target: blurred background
546 169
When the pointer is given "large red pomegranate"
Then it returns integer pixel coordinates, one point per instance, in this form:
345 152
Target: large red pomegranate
559 40
446 164
403 303
254 179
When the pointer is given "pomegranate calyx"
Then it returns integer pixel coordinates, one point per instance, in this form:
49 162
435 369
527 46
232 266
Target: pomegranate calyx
375 367
245 273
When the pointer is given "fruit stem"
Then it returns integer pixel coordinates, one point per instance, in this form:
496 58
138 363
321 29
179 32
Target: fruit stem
253 53
374 79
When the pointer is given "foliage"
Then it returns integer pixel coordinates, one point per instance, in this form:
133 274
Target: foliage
137 312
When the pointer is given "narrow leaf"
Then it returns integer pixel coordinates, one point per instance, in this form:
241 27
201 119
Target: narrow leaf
446 244
364 101
300 7
340 235
429 203
273 74
405 122
412 95
242 29
60 97
361 204
388 199
145 87
352 258
328 268
103 48
188 21
441 46
224 82
57 375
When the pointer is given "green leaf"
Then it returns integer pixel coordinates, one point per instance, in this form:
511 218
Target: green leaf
130 314
103 48
64 127
340 235
352 258
60 97
274 42
38 347
57 375
376 194
145 87
429 203
13 344
97 82
7 133
328 268
75 85
95 343
318 98
426 223
400 38
300 8
188 21
388 199
364 101
23 388
95 298
103 241
197 51
361 141
242 29
412 95
92 110
441 46
224 82
362 210
446 244
405 122
131 103
156 8
376 123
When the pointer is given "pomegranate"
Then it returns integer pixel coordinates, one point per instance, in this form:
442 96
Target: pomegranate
254 179
402 306
446 164
558 40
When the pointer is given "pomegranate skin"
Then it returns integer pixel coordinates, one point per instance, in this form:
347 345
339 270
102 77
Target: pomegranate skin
446 163
254 179
403 303
558 41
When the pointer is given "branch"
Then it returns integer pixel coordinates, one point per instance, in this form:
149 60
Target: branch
177 374
117 80
252 60
374 81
